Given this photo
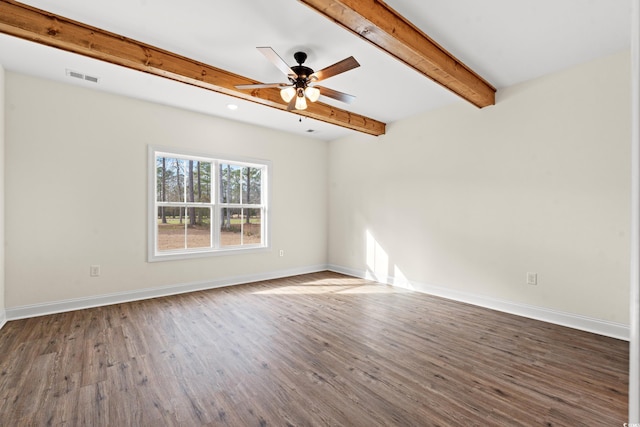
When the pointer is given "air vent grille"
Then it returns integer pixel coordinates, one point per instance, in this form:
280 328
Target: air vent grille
82 76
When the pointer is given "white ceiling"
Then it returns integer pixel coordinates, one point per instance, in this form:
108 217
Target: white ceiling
505 41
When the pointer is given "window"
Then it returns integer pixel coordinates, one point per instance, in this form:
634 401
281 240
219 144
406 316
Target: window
201 205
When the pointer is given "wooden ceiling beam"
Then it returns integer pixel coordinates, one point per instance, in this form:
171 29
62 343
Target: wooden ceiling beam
379 24
49 29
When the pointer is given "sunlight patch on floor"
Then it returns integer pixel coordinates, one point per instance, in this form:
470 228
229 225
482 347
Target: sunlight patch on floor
329 289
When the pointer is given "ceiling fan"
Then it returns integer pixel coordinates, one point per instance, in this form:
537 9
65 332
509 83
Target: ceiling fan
299 88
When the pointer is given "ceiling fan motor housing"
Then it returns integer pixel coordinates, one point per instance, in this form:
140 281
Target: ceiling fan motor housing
302 71
303 75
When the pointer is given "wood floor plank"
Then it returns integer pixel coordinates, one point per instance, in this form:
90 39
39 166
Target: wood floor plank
311 350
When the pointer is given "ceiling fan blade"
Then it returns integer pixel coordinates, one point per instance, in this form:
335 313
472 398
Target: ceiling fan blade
340 96
262 86
275 59
339 67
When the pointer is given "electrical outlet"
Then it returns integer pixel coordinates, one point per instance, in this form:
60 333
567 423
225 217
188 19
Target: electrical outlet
532 278
281 252
94 271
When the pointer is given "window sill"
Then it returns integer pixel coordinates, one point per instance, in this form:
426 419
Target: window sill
174 256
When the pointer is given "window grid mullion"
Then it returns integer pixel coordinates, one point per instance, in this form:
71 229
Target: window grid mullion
186 229
184 204
215 200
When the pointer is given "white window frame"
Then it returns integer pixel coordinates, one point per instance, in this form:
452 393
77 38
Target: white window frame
216 205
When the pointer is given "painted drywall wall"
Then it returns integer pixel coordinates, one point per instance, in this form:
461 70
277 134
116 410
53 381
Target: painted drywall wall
634 295
2 132
471 200
76 192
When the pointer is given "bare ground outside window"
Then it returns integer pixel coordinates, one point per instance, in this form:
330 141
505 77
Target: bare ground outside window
171 236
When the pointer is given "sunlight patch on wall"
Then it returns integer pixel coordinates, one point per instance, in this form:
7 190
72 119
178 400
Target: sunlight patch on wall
400 280
377 260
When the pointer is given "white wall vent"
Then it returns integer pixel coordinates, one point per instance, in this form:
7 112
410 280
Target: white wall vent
81 76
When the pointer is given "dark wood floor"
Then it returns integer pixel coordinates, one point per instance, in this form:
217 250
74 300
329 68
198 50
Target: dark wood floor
312 350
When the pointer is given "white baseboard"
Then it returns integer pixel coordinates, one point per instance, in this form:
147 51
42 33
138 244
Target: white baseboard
575 321
35 310
610 329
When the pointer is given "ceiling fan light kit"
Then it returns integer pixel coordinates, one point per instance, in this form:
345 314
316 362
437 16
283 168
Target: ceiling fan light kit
298 90
313 93
301 103
287 93
309 92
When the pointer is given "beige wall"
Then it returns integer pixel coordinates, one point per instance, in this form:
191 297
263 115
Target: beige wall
458 199
76 193
469 200
2 131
